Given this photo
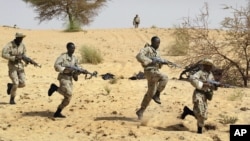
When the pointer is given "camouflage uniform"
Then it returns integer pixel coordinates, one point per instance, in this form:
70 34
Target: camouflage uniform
199 95
16 67
66 85
156 80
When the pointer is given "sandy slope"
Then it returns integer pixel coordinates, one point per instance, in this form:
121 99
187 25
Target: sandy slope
93 114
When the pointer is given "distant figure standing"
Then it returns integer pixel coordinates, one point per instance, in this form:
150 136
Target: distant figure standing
136 21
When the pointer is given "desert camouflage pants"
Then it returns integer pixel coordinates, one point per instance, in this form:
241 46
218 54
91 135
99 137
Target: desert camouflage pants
156 82
200 108
65 88
17 77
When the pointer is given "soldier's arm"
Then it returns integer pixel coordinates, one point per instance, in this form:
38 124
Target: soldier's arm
142 58
198 83
58 64
195 80
6 53
24 50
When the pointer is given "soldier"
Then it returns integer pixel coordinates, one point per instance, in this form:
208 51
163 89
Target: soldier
14 52
136 21
156 80
203 92
65 77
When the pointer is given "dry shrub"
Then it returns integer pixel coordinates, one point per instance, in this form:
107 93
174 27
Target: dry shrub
228 119
237 95
90 55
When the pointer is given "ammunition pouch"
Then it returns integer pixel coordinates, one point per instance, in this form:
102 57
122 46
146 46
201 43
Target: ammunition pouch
209 95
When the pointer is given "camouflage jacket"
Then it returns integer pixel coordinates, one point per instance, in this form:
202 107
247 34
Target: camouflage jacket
9 53
145 55
198 78
65 60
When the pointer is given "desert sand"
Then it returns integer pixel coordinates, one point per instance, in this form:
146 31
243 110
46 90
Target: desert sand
96 115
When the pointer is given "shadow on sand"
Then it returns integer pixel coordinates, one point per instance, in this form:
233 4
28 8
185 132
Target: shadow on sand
39 113
176 127
116 118
4 103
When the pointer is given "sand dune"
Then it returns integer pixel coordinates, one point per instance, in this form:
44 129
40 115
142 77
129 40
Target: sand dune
96 115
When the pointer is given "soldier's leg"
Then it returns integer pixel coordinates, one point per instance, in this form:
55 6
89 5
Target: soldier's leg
148 96
52 89
21 77
186 111
200 111
65 88
162 82
12 88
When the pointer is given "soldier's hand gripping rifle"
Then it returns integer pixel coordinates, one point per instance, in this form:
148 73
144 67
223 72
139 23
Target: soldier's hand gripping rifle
83 71
165 62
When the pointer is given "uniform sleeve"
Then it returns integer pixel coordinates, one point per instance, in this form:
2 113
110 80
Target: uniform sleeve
6 53
195 80
142 58
58 64
24 50
77 63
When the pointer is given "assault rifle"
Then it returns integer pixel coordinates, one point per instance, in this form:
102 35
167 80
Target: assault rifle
219 84
27 60
165 62
83 71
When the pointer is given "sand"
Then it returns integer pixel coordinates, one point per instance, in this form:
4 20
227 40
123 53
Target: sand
94 114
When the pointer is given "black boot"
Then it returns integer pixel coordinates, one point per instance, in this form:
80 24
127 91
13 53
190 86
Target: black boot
156 97
186 111
52 89
9 86
58 113
199 131
12 100
140 112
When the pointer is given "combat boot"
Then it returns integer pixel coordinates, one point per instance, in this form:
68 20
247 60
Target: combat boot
140 112
199 131
58 113
12 100
186 111
52 89
9 87
156 97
